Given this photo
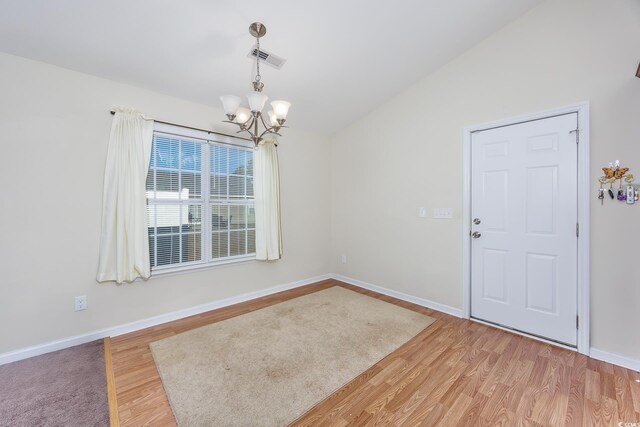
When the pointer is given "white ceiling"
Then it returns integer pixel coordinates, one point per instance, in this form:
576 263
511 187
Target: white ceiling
344 57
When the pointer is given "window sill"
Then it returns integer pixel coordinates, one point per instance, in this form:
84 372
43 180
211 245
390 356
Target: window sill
191 268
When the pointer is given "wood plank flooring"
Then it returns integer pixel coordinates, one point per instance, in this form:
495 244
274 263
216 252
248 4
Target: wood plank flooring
454 373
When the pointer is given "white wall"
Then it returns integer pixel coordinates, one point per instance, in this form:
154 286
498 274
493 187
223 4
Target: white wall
408 153
54 128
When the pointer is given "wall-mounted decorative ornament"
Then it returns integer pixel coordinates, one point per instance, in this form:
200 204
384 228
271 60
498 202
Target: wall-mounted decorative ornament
616 174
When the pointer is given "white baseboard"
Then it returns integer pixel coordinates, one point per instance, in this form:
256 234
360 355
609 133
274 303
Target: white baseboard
625 362
605 356
404 297
37 350
180 314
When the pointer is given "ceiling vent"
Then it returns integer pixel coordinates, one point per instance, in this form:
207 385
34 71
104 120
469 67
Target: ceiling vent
267 58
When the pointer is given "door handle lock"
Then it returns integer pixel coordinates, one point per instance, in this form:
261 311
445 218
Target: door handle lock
476 234
476 221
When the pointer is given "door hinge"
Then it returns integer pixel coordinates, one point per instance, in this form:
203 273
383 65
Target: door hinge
577 322
577 131
577 229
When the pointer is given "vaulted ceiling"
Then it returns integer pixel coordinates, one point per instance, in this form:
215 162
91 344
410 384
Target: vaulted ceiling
344 57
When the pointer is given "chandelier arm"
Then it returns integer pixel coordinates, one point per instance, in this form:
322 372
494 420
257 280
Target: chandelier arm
263 133
269 130
248 125
237 124
242 127
263 122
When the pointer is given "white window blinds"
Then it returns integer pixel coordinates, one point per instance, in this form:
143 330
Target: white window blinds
199 202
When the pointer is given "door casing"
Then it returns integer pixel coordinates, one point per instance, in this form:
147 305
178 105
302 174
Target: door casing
582 109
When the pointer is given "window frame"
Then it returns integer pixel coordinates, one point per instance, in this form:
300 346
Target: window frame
206 139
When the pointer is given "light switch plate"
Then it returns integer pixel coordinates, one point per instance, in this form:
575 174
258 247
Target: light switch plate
443 213
422 212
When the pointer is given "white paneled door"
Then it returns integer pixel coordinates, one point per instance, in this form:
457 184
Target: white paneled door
524 233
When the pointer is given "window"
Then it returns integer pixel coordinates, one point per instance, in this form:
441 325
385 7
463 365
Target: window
199 201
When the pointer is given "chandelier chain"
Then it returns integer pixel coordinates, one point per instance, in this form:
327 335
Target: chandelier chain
258 77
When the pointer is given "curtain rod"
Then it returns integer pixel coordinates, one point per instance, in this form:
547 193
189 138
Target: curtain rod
198 129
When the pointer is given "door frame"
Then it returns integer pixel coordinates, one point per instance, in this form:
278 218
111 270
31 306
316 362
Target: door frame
583 303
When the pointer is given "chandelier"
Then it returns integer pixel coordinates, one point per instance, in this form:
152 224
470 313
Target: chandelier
250 119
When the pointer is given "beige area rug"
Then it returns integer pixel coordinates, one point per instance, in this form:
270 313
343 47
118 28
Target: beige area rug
268 367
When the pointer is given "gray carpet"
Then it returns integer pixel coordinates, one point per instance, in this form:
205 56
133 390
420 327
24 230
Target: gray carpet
63 388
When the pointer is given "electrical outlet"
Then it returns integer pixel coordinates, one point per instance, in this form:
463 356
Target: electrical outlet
81 303
343 258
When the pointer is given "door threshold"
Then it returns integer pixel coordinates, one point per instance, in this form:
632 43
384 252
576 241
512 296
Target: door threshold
525 334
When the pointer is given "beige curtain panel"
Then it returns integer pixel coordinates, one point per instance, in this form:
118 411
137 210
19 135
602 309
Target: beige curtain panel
124 242
266 187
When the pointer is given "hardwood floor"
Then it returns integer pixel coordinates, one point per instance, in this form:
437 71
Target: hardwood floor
454 373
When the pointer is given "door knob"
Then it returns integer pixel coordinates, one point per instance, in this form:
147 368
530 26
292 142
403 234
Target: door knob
476 221
476 234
